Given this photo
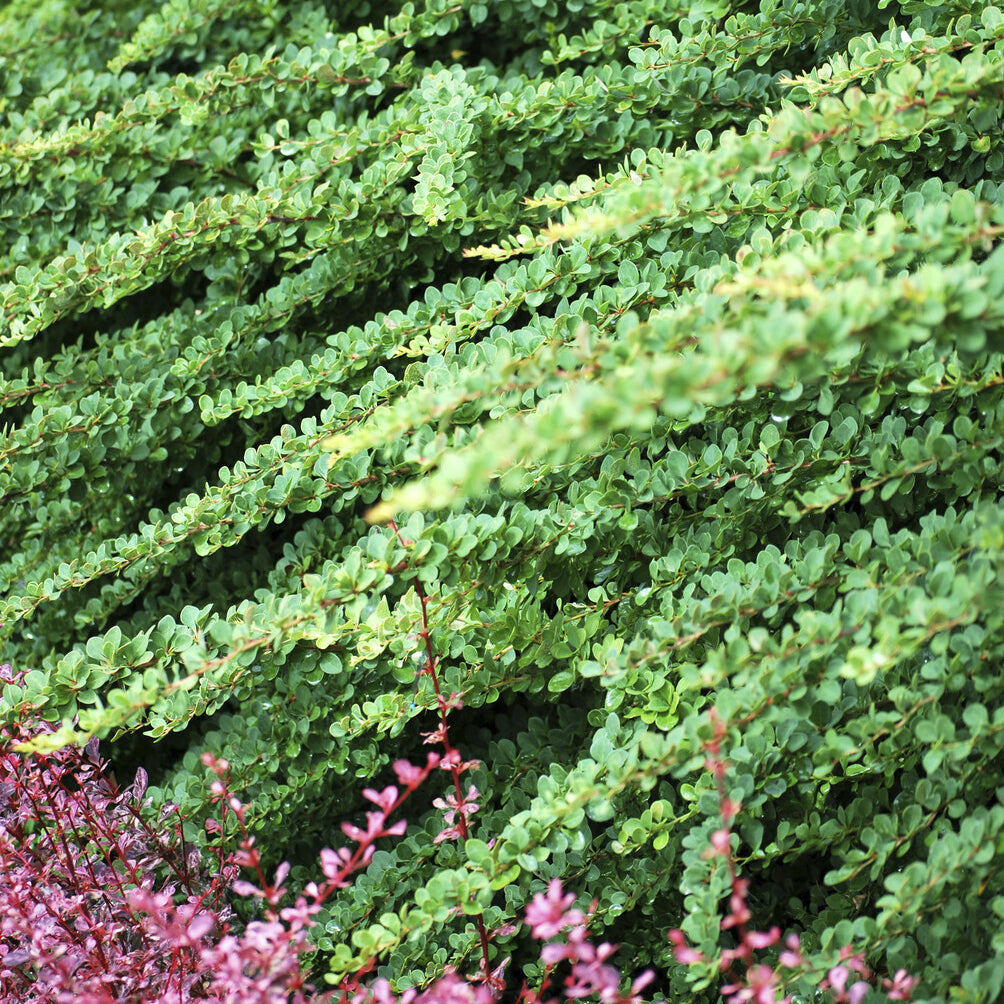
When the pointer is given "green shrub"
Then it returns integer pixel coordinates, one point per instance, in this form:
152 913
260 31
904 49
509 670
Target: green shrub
669 334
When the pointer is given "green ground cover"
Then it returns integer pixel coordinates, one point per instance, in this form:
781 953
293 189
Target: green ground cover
669 336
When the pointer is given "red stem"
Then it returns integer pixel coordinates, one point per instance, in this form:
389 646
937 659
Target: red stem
730 861
430 669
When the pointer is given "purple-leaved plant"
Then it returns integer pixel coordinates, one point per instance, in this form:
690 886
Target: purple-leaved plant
590 973
263 962
102 902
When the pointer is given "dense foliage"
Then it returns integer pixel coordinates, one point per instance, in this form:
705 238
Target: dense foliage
670 336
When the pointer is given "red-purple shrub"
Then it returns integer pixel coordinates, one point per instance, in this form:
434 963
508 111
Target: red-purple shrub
102 899
103 902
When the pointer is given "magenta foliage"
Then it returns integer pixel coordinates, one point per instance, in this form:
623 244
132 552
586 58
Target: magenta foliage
590 974
100 902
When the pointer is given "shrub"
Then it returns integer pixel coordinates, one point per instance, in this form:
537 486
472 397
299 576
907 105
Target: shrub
104 902
669 333
91 876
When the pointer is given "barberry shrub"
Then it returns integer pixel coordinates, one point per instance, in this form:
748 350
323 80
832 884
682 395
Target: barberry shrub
104 902
669 335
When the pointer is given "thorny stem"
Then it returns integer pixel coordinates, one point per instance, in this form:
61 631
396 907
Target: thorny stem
67 856
718 767
452 756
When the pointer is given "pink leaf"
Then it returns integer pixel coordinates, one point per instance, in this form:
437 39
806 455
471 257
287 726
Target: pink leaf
681 950
243 888
384 799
